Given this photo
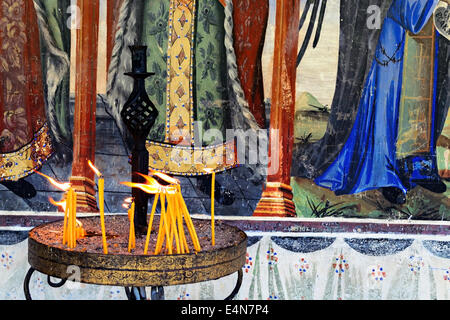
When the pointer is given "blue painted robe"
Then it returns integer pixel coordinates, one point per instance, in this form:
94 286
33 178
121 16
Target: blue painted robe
368 158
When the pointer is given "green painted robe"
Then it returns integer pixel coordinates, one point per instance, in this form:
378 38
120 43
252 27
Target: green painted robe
190 48
206 76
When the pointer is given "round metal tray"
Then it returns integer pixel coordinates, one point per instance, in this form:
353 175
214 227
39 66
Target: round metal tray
134 270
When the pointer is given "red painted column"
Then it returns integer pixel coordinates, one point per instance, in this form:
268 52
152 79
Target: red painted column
85 106
112 16
250 22
277 195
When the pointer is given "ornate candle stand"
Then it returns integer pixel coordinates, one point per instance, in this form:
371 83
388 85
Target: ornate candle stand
139 115
136 271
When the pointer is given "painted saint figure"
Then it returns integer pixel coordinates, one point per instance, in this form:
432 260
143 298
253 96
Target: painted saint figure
25 142
371 157
208 76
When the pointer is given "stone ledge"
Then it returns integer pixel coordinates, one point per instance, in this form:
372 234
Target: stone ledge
289 226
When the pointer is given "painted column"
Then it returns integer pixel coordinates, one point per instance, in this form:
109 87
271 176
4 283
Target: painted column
112 15
250 22
85 106
277 195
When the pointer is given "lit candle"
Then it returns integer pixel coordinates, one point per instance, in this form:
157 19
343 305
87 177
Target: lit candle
101 204
69 222
74 218
169 221
185 247
101 200
72 225
160 238
63 205
72 235
213 186
80 230
131 237
189 224
179 223
133 233
173 218
149 230
69 208
65 225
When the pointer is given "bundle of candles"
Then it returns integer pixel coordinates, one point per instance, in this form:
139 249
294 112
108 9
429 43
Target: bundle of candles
72 228
174 216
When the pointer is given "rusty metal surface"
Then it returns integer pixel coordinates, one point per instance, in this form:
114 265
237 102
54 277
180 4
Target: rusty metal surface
138 270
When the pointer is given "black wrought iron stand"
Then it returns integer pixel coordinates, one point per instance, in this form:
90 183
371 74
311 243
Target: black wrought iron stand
139 115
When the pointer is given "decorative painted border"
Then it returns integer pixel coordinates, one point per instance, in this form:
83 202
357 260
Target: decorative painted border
19 164
189 160
173 38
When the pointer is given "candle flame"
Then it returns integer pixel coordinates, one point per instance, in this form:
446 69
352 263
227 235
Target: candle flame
171 190
62 186
128 200
61 203
150 181
165 177
81 233
127 203
97 172
152 189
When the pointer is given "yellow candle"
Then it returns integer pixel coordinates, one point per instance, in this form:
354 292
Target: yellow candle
173 217
131 242
169 221
133 232
213 186
191 229
101 200
185 244
166 227
65 222
178 195
69 217
74 218
189 224
160 238
72 233
179 223
71 228
149 230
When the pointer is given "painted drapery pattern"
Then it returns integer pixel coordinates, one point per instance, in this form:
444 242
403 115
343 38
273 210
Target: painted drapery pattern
24 139
368 159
